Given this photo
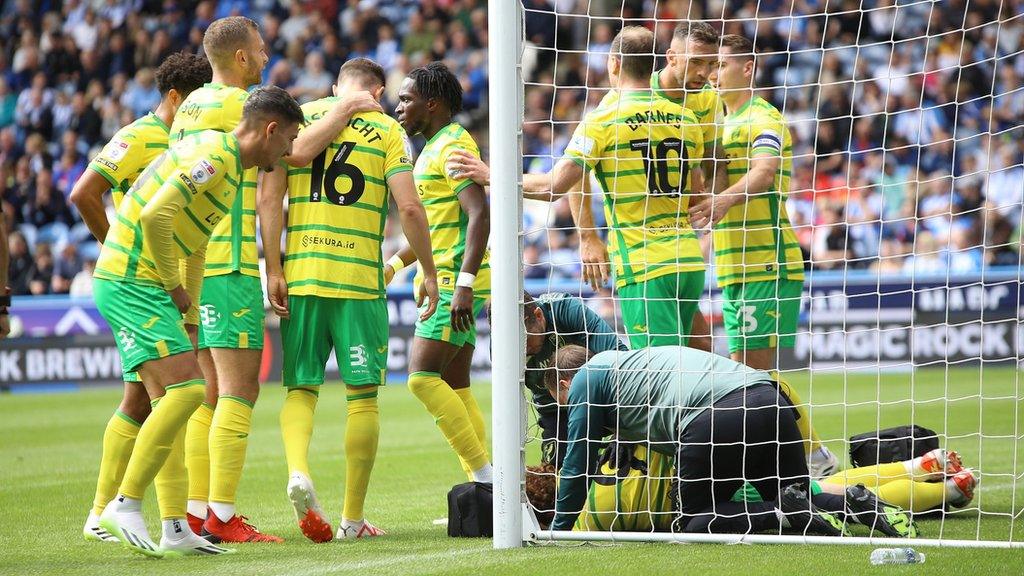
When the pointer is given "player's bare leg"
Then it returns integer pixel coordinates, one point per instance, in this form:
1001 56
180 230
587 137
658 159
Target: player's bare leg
700 333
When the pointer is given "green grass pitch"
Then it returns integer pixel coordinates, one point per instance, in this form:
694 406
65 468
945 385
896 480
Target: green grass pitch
50 449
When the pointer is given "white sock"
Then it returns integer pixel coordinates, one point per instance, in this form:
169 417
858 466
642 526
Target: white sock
485 474
223 510
175 529
197 508
126 505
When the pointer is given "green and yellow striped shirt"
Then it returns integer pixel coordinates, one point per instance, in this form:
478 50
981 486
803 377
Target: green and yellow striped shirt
755 241
337 207
642 148
233 244
129 152
439 190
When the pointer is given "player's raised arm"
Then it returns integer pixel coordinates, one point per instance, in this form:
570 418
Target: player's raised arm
315 138
270 197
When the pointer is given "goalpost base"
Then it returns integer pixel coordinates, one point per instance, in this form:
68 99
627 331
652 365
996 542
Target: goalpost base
551 537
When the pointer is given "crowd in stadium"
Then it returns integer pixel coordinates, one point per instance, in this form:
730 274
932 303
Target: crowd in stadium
906 158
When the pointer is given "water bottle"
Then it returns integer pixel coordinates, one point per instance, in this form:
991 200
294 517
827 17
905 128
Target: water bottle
896 556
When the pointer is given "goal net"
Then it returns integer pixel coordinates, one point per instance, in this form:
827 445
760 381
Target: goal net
872 255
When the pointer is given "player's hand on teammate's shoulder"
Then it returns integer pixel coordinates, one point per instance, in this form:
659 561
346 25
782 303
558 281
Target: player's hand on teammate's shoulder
428 291
180 298
462 309
277 295
360 101
465 165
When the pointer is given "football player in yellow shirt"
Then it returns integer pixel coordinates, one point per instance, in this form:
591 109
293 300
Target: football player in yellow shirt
758 260
116 168
459 218
330 291
231 336
166 222
646 152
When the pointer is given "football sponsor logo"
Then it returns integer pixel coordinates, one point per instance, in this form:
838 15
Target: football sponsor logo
202 171
151 322
117 150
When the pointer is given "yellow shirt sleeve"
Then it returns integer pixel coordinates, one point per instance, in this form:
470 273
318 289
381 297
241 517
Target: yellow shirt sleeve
121 159
766 137
158 216
396 152
586 144
456 182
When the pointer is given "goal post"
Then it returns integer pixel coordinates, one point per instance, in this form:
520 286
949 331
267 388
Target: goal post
908 315
507 342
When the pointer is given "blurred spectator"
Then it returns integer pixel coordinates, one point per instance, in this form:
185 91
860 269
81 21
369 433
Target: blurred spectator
41 274
81 286
142 95
314 81
66 267
21 264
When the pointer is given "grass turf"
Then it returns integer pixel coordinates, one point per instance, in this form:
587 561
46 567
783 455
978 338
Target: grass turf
49 450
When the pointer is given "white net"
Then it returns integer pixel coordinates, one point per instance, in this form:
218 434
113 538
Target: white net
888 234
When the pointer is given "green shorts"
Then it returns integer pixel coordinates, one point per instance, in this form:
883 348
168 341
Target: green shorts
659 312
761 315
231 312
357 330
132 377
145 322
439 326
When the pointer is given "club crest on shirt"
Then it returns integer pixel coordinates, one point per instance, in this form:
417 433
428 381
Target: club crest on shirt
202 171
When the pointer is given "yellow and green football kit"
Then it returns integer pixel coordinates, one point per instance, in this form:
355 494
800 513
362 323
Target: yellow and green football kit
439 190
642 148
232 298
197 179
127 154
337 208
758 261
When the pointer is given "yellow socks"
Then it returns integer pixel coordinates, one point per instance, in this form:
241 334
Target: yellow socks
197 454
362 430
158 433
913 496
451 417
476 418
172 481
811 440
229 438
872 477
297 428
118 441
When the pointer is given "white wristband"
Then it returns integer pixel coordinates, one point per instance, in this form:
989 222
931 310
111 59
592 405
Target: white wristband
396 263
465 280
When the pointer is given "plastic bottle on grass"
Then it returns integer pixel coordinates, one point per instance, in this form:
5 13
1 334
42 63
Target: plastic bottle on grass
896 556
